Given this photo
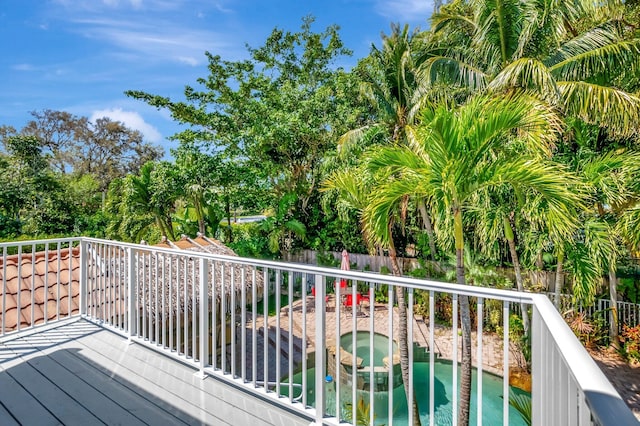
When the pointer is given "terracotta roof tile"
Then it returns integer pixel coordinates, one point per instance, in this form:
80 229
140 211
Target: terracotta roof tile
38 279
184 244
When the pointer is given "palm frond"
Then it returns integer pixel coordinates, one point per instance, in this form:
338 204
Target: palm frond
612 176
455 70
529 74
522 404
628 227
557 187
442 20
488 120
296 227
347 141
378 214
598 52
608 107
351 185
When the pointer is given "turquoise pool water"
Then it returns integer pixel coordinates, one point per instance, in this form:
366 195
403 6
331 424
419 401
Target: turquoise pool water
380 347
491 397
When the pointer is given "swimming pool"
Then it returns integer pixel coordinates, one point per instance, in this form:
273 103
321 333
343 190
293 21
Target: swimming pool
380 347
491 398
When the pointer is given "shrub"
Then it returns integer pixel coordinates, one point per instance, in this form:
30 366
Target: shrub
631 347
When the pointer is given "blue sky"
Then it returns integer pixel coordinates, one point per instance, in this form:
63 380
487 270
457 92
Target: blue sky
81 55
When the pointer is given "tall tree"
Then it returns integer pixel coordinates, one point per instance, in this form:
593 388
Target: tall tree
356 189
106 149
395 92
457 153
277 110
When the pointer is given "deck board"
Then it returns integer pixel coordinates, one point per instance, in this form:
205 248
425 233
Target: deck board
82 373
103 380
60 404
21 404
139 405
6 417
97 403
182 380
166 378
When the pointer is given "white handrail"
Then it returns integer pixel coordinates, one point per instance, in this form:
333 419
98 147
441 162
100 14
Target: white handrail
128 294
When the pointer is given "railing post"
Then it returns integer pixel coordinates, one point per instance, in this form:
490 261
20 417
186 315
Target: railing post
82 290
132 293
203 313
320 347
537 373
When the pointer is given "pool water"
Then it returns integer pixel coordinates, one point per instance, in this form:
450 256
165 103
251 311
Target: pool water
380 347
491 399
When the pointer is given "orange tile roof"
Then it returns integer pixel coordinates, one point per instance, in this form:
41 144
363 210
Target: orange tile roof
40 280
184 243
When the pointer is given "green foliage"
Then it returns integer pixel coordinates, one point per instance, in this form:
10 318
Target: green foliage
250 241
363 410
281 227
277 113
327 259
631 346
9 227
522 404
381 294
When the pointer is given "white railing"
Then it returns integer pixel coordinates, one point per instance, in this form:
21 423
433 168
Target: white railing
281 331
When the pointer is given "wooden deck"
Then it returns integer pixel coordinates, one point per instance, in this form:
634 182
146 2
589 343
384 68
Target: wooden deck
83 374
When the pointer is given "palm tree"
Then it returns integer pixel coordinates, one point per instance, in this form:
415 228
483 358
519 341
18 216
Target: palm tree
281 226
153 191
392 87
355 186
496 220
459 152
578 56
570 54
612 180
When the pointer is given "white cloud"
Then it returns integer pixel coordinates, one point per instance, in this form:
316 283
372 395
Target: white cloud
23 67
158 41
136 4
188 60
132 120
405 11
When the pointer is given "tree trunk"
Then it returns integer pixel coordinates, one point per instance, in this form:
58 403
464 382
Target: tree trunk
613 312
198 203
465 320
403 331
508 231
539 261
559 280
227 211
426 220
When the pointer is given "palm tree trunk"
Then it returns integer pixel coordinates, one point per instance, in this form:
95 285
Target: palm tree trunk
402 331
508 231
426 219
559 280
613 312
198 204
166 229
465 320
